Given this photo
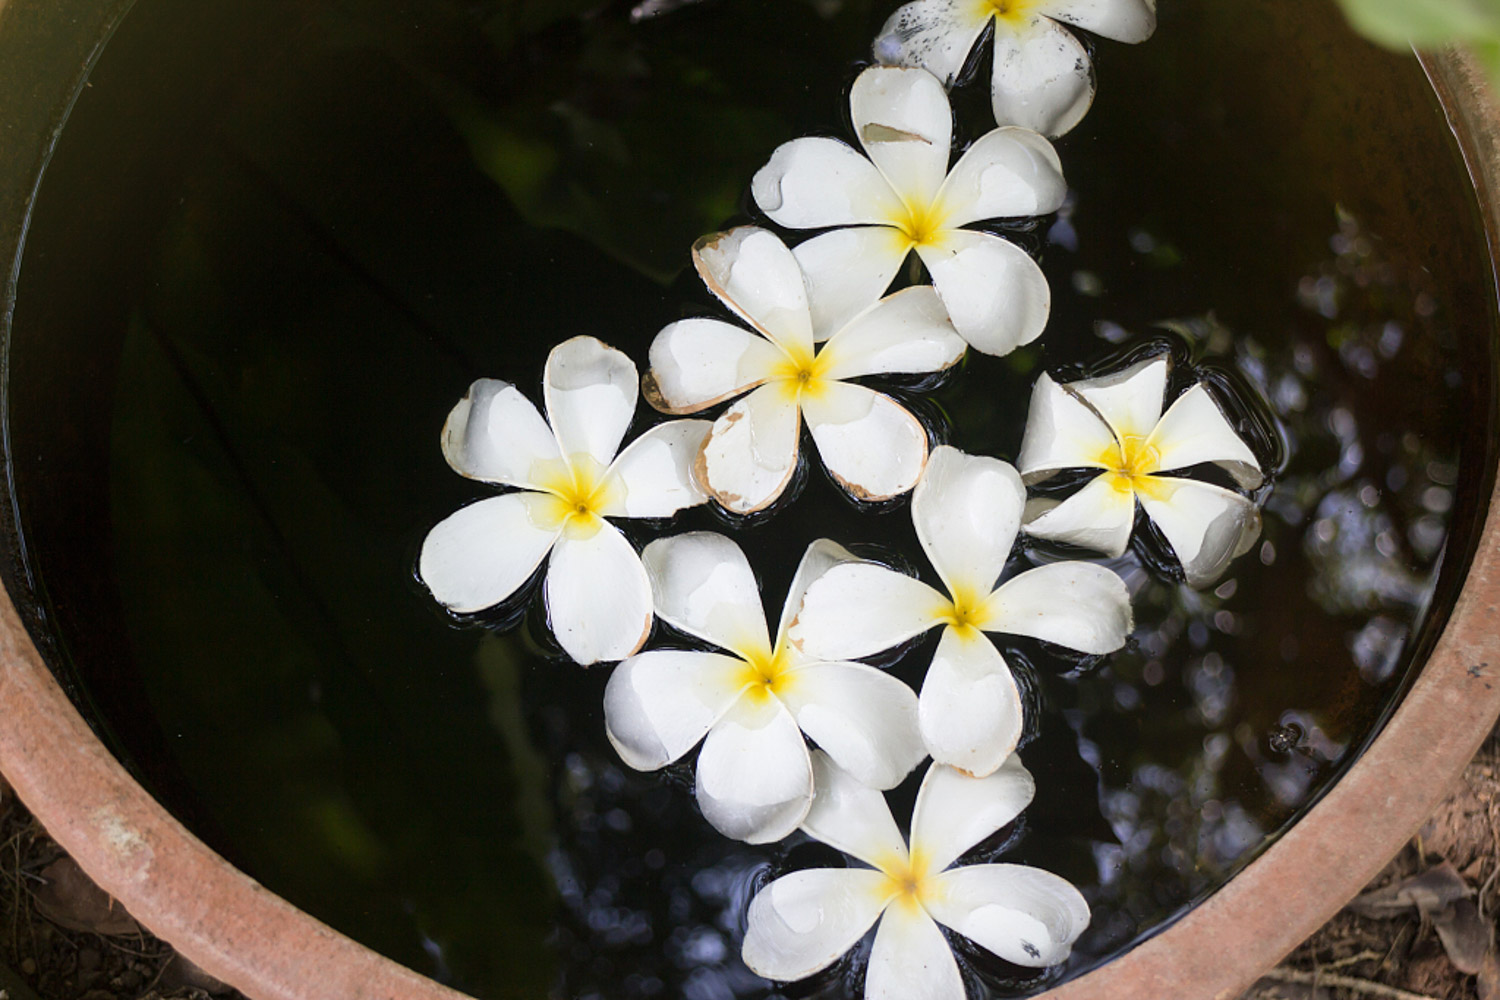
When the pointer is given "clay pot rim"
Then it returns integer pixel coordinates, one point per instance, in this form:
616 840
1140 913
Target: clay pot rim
248 937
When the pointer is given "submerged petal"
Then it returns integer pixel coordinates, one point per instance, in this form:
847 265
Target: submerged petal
970 709
803 922
653 477
754 774
1100 516
1062 432
860 609
966 510
598 596
995 293
903 120
751 452
1207 526
1120 20
1024 915
955 811
863 718
1007 173
908 332
847 271
869 443
496 435
591 390
696 363
660 703
754 274
820 557
704 586
936 35
1194 429
852 817
1043 78
1075 604
1129 400
479 555
911 960
814 182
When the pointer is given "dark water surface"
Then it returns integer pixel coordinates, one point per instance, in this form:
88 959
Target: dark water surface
280 238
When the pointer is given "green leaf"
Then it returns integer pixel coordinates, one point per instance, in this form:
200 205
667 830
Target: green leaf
1424 23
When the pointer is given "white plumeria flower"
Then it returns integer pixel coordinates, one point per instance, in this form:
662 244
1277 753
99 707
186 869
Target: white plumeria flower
568 481
1043 77
751 704
904 198
1115 423
967 511
870 443
802 922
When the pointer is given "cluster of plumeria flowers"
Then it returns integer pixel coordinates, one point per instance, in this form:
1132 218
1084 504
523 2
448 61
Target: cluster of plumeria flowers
793 731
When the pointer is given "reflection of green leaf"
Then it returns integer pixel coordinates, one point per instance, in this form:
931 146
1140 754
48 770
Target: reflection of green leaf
500 670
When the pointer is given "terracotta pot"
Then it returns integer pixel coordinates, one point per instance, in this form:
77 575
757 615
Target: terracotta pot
246 936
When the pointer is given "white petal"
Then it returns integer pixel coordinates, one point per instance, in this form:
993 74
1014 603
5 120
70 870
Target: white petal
860 609
696 363
1024 915
908 332
903 120
751 452
1098 517
934 34
754 274
1043 78
970 709
955 811
814 182
966 510
1006 173
820 557
1075 604
598 597
660 703
1195 430
1062 432
591 390
655 473
1121 20
863 718
704 586
995 293
1128 400
852 817
496 435
754 776
869 442
1205 524
803 922
911 959
479 555
847 271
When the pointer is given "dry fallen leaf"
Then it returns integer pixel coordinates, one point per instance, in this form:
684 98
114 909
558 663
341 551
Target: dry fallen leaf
69 899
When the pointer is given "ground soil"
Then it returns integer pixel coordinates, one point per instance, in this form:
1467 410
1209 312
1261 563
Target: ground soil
61 939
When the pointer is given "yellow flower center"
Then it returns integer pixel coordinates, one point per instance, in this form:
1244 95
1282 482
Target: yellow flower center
907 881
1014 11
920 225
579 492
966 612
1131 464
801 373
766 674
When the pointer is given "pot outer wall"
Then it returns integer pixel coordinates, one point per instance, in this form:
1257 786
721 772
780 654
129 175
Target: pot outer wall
246 936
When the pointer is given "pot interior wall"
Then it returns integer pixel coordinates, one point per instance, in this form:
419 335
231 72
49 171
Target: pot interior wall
279 238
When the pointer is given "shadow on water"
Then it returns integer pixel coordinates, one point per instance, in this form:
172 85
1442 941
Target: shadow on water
279 239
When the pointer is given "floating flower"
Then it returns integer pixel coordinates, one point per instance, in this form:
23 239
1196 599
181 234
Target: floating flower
1115 423
751 704
903 198
568 481
802 922
967 511
868 441
1043 78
